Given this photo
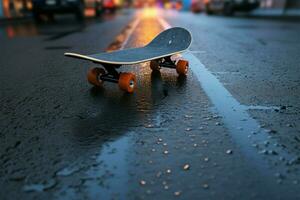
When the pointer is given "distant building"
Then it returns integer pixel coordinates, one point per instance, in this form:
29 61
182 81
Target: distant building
280 7
272 3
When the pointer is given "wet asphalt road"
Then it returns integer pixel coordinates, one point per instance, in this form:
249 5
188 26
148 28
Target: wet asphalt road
173 138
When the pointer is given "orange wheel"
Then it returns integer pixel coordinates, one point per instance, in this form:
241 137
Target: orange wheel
154 65
127 82
93 76
182 67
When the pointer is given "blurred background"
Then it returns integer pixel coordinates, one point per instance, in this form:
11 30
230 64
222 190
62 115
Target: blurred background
10 9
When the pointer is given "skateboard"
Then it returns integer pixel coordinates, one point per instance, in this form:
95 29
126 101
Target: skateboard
159 52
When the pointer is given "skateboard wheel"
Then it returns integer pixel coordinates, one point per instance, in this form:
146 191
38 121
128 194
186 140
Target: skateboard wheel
127 82
93 76
154 65
182 67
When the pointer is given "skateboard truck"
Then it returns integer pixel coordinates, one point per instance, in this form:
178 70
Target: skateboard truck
127 81
180 65
111 75
167 62
96 76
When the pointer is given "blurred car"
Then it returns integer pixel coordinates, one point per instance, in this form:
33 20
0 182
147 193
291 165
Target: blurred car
109 5
197 6
96 5
228 7
51 7
177 5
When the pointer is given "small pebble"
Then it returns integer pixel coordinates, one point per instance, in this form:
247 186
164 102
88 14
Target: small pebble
216 116
282 107
166 152
142 182
186 167
272 152
205 186
262 126
169 171
271 131
177 193
158 174
229 151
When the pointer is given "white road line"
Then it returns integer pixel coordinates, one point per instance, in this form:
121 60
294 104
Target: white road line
134 25
164 23
244 129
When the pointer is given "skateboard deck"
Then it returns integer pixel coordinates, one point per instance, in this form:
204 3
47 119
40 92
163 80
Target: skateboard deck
158 51
171 41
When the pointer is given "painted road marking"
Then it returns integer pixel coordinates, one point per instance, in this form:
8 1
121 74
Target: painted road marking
248 133
133 27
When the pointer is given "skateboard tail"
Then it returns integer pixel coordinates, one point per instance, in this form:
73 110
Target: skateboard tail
84 57
76 55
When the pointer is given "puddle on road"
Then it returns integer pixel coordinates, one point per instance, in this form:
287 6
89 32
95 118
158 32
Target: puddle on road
107 177
112 172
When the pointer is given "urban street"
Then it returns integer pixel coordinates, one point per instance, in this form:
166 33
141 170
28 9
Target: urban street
230 129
